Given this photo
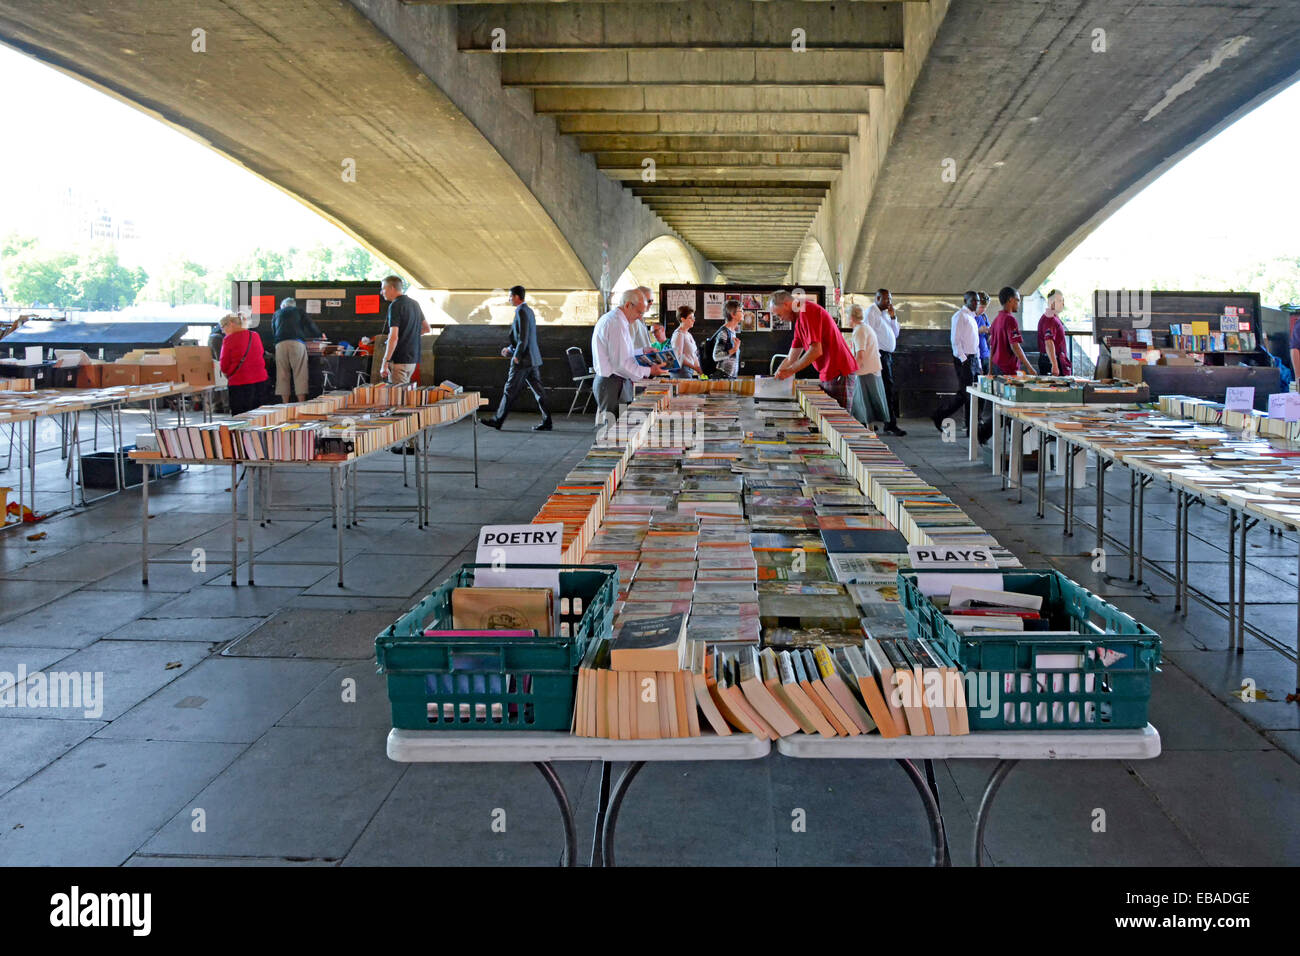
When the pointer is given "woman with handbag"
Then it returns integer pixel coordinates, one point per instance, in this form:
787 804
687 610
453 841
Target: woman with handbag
243 364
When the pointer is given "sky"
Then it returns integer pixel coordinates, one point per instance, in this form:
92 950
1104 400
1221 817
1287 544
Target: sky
1232 202
181 194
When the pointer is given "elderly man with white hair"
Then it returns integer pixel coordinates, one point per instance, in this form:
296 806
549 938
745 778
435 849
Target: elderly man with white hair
290 327
613 356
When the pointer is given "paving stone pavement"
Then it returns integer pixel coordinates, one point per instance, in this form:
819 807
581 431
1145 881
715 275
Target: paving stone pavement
287 770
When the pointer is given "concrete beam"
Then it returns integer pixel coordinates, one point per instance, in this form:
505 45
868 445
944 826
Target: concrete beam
676 68
718 160
722 172
709 124
697 25
675 98
679 143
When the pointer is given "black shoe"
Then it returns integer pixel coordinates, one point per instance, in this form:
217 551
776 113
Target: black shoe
938 422
490 423
543 427
895 430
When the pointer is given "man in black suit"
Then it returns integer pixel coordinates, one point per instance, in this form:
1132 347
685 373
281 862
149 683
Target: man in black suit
525 364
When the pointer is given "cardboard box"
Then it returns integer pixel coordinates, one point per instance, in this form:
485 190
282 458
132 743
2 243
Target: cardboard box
119 373
191 355
90 376
198 374
1177 359
152 373
1127 371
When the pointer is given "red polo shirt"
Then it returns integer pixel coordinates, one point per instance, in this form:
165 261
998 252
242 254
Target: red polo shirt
1002 333
814 324
1052 329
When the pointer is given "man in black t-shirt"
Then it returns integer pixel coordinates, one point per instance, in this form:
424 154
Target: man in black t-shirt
406 323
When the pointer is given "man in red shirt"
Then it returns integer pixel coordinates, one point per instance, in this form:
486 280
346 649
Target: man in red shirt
1005 340
1053 346
819 343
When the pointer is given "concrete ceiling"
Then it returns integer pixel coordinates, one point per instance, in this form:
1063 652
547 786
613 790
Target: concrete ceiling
728 118
1048 131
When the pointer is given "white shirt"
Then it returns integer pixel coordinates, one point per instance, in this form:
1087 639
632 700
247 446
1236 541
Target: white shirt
884 325
612 352
641 337
965 334
862 339
684 348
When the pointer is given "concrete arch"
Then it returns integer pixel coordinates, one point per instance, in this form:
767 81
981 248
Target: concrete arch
811 267
663 259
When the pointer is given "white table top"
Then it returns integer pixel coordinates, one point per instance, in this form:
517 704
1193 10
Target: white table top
436 746
988 744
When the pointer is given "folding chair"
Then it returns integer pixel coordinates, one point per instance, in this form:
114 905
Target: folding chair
582 374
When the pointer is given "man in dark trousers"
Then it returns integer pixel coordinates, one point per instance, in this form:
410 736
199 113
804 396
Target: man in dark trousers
525 364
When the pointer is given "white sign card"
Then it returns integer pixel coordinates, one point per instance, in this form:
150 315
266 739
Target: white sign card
313 306
928 557
676 298
1240 399
1284 405
713 306
505 545
1227 323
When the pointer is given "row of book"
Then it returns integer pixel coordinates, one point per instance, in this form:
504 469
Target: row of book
344 432
892 687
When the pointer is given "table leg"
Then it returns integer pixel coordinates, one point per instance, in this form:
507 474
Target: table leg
1185 574
1141 518
144 523
1069 489
602 809
1102 465
934 790
997 441
1241 586
1132 523
31 457
937 836
1016 461
972 440
334 505
566 812
1232 579
615 803
999 776
1042 471
339 476
252 519
234 526
473 427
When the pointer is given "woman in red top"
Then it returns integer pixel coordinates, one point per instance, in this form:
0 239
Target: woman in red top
243 364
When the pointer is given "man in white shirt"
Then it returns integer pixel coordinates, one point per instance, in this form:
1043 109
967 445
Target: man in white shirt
965 340
882 320
642 338
613 357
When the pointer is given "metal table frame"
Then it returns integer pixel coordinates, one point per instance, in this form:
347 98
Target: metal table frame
542 749
343 506
1241 520
1007 747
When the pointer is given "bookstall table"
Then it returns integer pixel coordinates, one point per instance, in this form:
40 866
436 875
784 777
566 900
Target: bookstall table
1000 407
1008 748
543 748
342 478
1243 516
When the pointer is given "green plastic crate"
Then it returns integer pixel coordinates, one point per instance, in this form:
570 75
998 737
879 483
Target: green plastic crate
1029 393
1089 696
485 684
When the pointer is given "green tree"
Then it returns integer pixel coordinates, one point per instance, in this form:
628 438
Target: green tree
101 282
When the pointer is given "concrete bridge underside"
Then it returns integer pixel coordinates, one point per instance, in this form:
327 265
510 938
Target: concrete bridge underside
922 144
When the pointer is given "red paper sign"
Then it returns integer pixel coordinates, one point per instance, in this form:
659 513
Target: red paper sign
367 305
263 304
